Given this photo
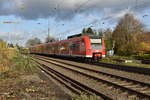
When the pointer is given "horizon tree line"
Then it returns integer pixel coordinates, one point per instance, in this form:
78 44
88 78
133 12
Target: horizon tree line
125 39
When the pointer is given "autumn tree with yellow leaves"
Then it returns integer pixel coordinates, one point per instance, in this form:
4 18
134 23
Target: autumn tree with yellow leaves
126 35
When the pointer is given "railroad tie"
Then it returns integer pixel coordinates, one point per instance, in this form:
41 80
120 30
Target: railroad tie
125 84
146 92
132 86
141 88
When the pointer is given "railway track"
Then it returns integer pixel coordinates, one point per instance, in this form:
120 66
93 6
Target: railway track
140 77
75 86
125 68
92 81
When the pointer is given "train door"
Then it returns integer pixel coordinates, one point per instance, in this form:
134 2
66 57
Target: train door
82 47
70 48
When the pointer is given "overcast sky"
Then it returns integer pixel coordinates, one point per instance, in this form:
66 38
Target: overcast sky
65 16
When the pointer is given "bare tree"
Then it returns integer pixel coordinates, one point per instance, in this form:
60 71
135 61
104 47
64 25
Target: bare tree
108 33
108 39
126 35
88 31
32 42
49 39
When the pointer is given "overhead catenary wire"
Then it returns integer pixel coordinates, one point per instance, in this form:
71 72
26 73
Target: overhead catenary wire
81 5
79 8
74 11
79 27
138 5
89 24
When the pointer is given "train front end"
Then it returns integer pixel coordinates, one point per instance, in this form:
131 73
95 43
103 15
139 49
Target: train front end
95 47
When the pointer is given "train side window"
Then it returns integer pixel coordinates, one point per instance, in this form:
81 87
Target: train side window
75 47
49 47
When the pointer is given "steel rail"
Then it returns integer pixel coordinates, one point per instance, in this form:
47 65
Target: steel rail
127 68
76 84
100 72
145 71
106 81
61 80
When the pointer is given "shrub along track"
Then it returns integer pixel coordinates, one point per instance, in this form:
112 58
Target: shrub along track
91 80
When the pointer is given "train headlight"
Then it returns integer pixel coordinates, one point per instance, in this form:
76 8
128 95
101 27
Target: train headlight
89 50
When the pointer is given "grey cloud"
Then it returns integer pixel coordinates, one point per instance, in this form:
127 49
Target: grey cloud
66 9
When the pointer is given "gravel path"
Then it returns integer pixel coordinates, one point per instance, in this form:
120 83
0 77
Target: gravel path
29 86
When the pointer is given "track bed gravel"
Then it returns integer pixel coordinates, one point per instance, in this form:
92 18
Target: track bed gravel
133 76
116 94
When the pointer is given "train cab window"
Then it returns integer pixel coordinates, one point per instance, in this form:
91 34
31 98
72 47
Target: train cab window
96 43
96 46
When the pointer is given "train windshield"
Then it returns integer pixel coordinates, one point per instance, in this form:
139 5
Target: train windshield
96 43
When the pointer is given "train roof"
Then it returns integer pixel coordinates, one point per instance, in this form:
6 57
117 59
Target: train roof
73 36
80 35
69 38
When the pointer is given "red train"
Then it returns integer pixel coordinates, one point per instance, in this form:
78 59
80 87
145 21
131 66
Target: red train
75 46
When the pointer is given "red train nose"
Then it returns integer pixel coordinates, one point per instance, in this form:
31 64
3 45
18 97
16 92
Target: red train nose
97 54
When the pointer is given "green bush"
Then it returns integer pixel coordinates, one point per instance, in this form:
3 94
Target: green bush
23 63
142 56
